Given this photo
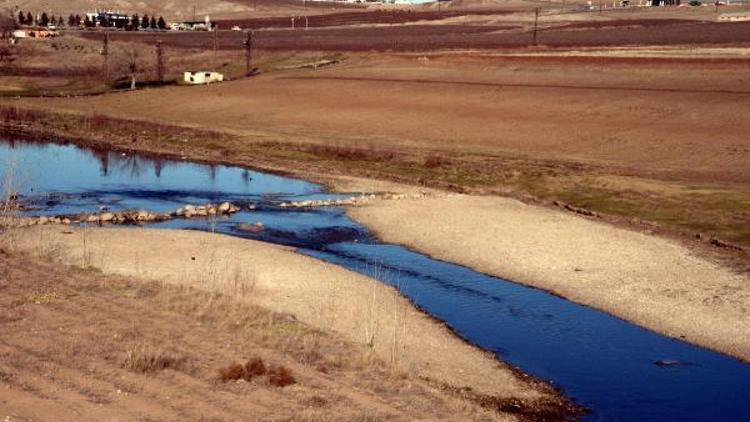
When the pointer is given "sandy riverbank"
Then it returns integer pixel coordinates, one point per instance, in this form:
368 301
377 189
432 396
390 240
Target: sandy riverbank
651 281
277 278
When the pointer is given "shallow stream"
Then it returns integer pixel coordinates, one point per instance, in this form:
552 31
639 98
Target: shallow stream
618 370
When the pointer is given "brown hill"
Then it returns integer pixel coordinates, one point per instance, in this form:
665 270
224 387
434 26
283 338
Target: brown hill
171 9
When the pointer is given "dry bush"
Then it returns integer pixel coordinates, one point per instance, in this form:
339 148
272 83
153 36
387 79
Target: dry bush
15 114
351 153
143 359
255 367
280 376
233 372
435 160
252 369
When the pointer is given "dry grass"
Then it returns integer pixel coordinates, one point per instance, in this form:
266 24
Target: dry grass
10 207
296 352
145 359
351 152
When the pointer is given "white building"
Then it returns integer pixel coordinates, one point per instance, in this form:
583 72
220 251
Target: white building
203 78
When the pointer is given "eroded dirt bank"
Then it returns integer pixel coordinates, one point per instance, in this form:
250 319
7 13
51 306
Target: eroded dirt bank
651 281
323 296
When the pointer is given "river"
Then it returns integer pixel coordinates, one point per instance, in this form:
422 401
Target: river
616 369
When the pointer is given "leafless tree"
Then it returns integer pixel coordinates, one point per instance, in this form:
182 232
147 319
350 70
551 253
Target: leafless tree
249 53
7 54
8 23
161 59
105 55
131 63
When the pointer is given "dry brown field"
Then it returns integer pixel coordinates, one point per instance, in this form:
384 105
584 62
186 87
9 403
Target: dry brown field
649 134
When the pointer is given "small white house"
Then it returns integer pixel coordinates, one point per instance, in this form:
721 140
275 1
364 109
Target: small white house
203 78
20 33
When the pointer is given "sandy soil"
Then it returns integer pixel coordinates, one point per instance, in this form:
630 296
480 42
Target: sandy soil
79 345
647 280
321 295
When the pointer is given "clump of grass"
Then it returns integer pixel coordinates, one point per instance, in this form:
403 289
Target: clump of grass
315 401
142 359
43 298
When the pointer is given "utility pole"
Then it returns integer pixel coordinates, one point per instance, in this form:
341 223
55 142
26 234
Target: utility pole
600 7
216 44
249 53
105 53
536 23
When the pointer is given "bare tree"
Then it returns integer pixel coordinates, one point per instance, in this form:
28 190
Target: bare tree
161 65
8 24
105 54
249 53
7 54
131 62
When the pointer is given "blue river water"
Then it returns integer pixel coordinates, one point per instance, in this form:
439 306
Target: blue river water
621 372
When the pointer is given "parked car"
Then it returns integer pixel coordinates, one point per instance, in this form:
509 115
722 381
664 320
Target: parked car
236 28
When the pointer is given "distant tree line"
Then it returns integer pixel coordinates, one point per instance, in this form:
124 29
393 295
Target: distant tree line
128 23
39 20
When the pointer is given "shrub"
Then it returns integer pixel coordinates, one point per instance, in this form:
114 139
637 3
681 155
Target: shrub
436 160
350 153
232 372
255 367
280 376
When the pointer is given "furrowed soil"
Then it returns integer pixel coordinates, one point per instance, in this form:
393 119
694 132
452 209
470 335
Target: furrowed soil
502 34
